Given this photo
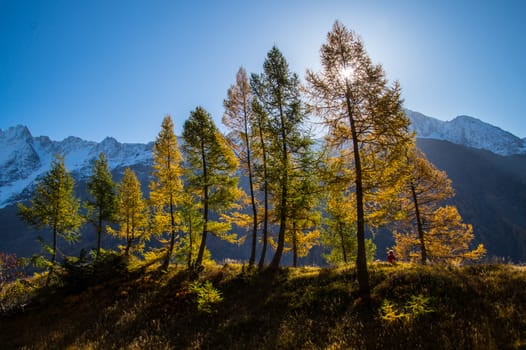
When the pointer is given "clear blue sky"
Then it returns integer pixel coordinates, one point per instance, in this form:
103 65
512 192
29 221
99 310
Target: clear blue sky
93 68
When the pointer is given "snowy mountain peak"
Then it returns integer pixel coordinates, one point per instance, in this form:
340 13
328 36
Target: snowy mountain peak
24 158
15 133
467 131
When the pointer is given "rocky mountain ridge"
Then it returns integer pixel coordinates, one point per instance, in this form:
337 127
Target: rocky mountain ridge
467 131
23 158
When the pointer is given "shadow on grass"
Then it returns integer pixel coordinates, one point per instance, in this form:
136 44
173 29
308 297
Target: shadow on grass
477 307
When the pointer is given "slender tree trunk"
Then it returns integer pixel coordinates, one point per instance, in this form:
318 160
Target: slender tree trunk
54 253
294 246
99 233
202 246
128 238
284 182
55 231
265 228
169 253
252 258
361 258
342 242
419 226
265 199
190 229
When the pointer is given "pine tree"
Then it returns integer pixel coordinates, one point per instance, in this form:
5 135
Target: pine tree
167 186
101 208
54 206
211 168
277 93
131 214
363 113
239 118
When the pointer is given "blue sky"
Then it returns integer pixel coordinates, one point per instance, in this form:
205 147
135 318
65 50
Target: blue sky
115 68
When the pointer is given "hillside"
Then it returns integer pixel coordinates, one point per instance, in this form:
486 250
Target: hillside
474 307
490 194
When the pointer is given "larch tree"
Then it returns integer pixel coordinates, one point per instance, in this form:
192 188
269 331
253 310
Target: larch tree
166 187
191 226
448 238
131 214
211 174
54 207
362 112
277 92
304 198
339 224
427 188
101 207
429 230
239 118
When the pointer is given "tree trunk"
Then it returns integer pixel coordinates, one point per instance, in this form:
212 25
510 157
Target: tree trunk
190 232
54 253
265 199
265 230
344 253
252 258
284 184
128 239
361 258
202 246
99 233
169 253
294 246
419 226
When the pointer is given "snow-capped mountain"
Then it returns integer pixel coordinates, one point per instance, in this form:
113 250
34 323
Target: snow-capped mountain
23 158
467 131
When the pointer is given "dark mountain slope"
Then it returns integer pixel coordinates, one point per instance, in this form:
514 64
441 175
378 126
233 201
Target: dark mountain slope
490 194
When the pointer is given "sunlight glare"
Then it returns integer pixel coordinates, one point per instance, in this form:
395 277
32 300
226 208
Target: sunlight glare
347 72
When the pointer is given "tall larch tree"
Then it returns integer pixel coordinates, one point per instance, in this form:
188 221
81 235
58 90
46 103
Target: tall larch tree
362 112
102 204
277 91
166 188
239 118
131 214
211 174
54 207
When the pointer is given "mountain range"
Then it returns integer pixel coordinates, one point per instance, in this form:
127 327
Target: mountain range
467 131
487 166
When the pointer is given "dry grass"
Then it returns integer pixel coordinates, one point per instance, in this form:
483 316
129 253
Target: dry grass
475 307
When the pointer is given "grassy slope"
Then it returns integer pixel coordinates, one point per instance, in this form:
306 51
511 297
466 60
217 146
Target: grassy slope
476 307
